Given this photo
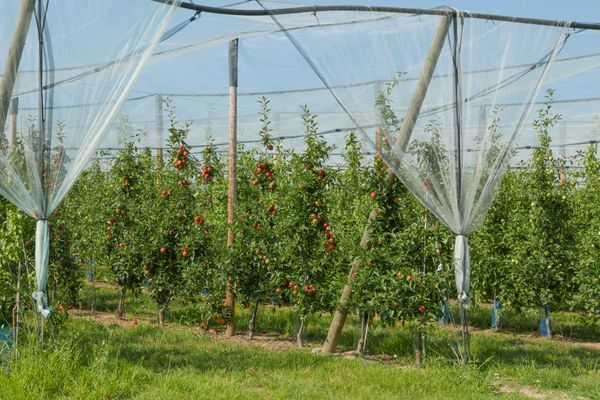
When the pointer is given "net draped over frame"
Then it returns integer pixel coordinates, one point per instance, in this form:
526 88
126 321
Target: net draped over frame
362 71
451 95
440 83
433 86
53 55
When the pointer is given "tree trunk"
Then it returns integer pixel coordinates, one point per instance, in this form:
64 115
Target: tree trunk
341 313
252 321
364 326
161 313
121 306
408 123
418 346
300 333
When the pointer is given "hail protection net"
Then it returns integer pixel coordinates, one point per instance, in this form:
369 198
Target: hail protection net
189 69
446 100
435 94
55 57
190 72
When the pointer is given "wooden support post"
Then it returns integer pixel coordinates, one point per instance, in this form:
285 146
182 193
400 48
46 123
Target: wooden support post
11 134
406 129
232 175
160 129
13 59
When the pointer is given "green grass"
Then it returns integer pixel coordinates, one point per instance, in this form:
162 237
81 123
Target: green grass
94 361
90 360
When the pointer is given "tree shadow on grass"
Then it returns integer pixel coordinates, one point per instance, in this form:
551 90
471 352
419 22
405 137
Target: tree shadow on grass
164 349
161 350
570 325
544 355
227 358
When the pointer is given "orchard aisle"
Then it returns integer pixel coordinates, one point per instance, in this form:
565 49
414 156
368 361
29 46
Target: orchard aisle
98 361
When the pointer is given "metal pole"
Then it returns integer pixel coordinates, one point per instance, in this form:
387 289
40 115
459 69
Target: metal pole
457 114
458 101
13 59
395 10
232 174
41 127
406 129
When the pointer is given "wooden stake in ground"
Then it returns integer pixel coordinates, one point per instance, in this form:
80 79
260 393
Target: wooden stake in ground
406 129
13 59
232 175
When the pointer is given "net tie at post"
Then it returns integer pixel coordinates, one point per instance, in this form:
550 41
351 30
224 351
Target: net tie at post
42 253
462 269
